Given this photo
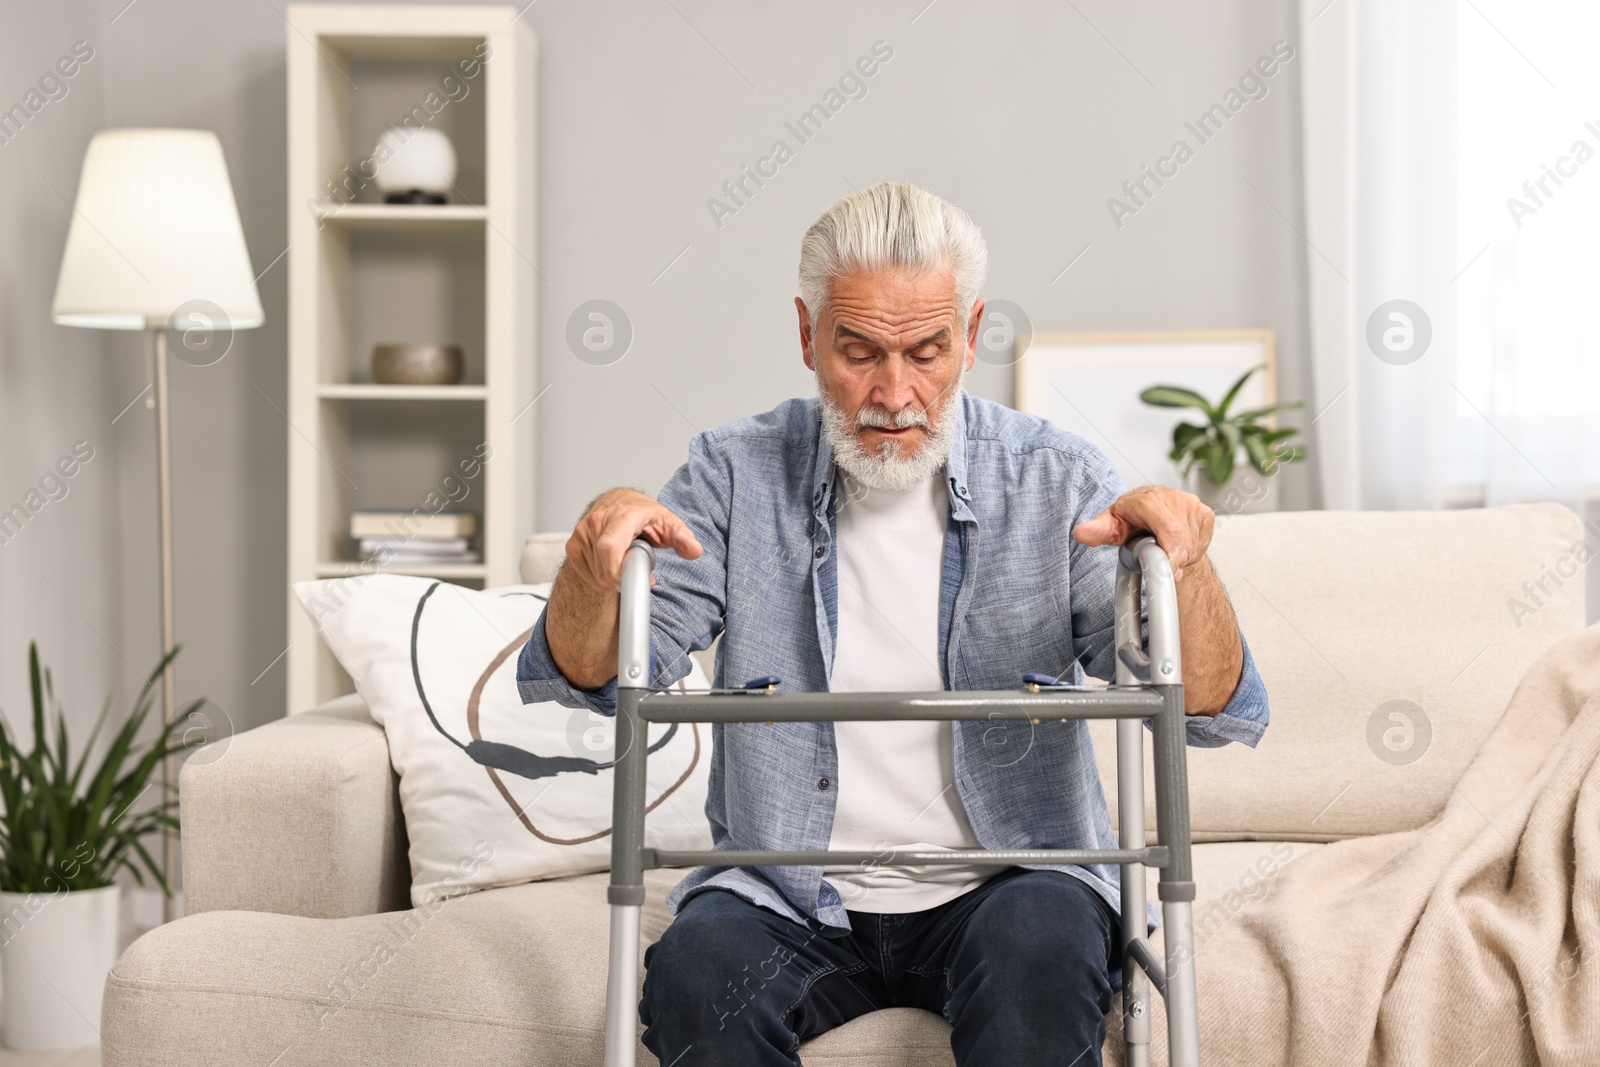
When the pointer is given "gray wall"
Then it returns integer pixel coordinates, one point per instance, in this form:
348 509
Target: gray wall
1022 113
1027 114
60 573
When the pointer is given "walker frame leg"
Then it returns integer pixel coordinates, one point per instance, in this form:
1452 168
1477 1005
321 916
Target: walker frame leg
1130 820
1136 1004
1176 887
626 891
622 987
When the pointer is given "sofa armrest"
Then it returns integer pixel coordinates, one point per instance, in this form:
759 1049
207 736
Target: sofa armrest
300 817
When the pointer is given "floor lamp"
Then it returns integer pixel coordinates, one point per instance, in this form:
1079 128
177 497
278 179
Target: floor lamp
155 244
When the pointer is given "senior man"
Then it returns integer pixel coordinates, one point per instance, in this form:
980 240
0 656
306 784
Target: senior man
892 533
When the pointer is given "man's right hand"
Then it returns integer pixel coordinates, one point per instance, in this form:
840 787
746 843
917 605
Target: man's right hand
581 620
601 538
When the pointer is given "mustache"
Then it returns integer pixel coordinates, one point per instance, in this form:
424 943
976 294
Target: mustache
904 419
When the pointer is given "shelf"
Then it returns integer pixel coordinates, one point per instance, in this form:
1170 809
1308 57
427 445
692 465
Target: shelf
398 216
363 273
407 47
374 391
446 571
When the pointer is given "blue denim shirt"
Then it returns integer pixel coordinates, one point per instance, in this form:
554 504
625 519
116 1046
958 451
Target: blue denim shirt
1018 594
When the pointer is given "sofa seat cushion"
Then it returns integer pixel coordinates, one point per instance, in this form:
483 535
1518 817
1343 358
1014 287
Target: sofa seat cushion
504 976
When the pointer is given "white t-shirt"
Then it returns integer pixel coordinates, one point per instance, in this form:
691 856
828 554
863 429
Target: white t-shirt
896 780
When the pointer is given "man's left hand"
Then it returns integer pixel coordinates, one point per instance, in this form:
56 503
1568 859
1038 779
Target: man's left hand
1180 523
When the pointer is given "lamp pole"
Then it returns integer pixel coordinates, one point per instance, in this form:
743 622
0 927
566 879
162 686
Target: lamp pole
160 198
169 681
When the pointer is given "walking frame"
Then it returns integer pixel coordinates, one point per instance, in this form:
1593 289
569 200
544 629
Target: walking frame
1148 686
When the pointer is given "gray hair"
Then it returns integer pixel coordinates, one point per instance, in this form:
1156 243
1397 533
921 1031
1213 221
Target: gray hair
891 225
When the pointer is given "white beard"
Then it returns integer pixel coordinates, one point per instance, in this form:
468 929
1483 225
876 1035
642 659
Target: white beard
888 469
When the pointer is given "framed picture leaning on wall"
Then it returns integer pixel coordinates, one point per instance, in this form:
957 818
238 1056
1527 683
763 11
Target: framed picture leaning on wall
1089 383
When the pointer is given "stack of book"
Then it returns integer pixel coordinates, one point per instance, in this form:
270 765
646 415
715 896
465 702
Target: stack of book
415 538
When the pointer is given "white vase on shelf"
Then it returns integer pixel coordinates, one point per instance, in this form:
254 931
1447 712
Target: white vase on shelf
415 166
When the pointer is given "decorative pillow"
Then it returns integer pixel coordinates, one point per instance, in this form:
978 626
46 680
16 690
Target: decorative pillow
495 792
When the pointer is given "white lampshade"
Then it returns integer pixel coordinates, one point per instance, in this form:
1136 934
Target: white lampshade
154 230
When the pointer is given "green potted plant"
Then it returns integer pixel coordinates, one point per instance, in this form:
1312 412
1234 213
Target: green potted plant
1208 454
66 831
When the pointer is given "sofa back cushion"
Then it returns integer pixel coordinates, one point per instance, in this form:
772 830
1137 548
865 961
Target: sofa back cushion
542 554
1390 643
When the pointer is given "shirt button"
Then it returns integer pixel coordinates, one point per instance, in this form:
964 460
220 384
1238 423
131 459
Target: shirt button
820 553
822 783
962 490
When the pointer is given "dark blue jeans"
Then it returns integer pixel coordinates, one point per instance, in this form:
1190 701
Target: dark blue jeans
1020 968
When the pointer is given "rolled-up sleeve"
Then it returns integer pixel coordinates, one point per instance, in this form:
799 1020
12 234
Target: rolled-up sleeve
539 679
1243 718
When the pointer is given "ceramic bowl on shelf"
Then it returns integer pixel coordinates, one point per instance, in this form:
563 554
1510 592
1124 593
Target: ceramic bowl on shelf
417 364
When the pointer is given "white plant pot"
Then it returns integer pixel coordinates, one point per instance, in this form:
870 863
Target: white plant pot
55 953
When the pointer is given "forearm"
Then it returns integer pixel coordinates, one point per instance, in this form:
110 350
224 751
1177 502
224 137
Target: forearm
1213 656
581 628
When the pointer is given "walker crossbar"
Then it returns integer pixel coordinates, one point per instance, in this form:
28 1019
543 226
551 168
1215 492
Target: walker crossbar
1154 856
1148 687
1062 703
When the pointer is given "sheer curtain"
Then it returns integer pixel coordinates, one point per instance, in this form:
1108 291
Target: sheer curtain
1450 163
1380 146
1528 209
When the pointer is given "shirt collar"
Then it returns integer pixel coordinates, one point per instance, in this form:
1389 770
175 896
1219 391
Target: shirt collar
956 465
822 471
822 475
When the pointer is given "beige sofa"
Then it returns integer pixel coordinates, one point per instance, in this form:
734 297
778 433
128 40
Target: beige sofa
300 948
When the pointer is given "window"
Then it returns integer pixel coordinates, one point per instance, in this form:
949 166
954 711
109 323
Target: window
1528 237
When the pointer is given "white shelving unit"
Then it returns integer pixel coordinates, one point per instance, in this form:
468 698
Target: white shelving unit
363 272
